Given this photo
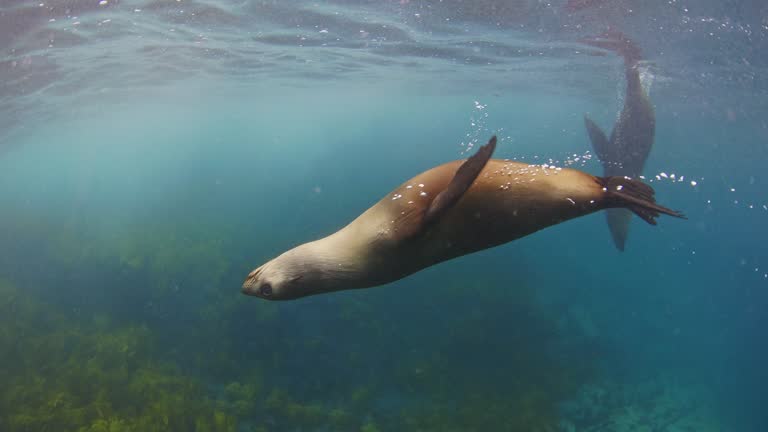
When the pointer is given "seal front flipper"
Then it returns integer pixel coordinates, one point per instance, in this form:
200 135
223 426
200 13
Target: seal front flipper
414 221
461 181
635 196
600 142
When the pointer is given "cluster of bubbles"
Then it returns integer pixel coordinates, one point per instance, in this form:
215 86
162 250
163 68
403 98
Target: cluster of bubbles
673 178
732 198
479 129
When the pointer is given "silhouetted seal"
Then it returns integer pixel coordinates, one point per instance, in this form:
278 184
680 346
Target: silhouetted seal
625 152
448 211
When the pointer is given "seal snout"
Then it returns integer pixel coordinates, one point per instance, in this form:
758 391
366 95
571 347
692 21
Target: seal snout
245 289
249 286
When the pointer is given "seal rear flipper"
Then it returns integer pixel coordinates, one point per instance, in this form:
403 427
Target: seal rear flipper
618 220
617 42
635 196
600 142
461 181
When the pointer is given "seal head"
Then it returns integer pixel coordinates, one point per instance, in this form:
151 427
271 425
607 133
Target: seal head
334 263
267 284
282 278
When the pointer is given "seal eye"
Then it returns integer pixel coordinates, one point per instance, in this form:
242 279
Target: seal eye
266 290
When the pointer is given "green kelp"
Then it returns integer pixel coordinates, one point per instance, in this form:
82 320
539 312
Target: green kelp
134 262
494 367
140 271
64 373
140 326
61 375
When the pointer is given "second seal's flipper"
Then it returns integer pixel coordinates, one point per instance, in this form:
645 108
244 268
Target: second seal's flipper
619 43
462 180
636 196
600 142
618 220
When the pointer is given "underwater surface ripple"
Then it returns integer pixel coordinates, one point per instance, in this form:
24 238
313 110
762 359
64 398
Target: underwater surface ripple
152 153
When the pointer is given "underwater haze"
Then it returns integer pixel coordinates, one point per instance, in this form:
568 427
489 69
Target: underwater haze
153 153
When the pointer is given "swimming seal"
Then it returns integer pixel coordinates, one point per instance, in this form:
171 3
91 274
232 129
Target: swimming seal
446 212
625 153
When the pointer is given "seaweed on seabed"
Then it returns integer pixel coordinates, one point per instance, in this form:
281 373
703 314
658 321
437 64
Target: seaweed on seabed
61 375
495 369
70 375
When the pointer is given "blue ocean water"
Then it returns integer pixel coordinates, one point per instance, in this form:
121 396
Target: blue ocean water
153 153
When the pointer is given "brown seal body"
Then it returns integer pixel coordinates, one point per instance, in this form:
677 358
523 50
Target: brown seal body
446 212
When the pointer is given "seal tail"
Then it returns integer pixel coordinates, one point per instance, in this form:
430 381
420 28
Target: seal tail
635 196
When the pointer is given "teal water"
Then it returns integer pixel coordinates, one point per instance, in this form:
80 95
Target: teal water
154 153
